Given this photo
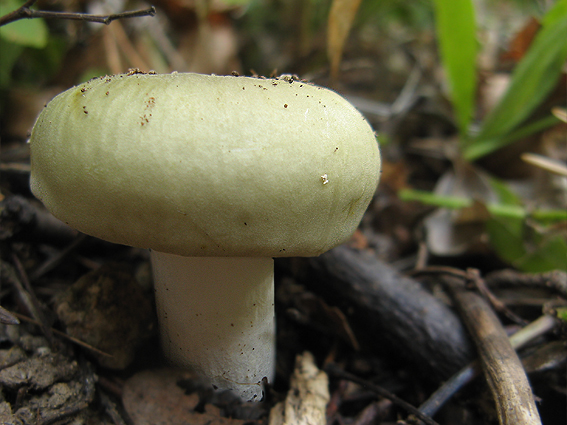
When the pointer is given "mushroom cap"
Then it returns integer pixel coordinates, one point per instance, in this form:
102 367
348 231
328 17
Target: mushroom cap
201 165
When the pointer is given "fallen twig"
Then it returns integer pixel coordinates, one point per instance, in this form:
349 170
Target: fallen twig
22 285
54 261
336 372
63 335
535 329
473 276
8 318
24 12
555 280
502 368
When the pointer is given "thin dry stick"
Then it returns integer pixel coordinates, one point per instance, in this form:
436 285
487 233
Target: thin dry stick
57 259
502 367
112 53
24 12
555 280
27 295
499 306
472 275
8 318
335 371
158 34
123 42
63 335
535 329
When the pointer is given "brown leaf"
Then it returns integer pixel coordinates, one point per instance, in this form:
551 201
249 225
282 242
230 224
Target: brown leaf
521 42
341 18
107 309
153 397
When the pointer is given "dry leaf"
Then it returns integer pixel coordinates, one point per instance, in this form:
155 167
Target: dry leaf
521 42
106 308
153 397
341 17
454 232
307 397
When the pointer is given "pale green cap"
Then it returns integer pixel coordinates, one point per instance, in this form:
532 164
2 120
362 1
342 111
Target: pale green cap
201 165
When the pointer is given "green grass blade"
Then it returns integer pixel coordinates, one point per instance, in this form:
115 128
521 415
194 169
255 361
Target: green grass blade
482 147
456 33
534 77
430 198
509 211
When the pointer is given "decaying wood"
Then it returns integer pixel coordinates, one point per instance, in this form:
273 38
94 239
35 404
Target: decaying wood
391 310
307 397
502 367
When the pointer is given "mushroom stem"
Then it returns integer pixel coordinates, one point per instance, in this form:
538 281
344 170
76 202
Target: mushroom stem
217 318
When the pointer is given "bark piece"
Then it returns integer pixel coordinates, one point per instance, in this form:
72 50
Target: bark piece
39 372
389 310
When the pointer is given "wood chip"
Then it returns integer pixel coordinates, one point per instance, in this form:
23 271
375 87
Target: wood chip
307 397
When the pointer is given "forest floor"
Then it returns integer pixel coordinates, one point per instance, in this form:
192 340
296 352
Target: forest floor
367 333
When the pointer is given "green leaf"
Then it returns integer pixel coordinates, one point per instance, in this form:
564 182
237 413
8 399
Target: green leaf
549 254
25 32
506 238
507 229
555 14
546 217
505 194
562 313
456 33
482 147
534 77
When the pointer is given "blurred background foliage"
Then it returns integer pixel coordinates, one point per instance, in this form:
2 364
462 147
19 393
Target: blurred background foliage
458 93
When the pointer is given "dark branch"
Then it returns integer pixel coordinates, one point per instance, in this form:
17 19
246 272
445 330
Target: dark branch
24 12
16 14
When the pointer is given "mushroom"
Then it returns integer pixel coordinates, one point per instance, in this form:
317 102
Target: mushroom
216 175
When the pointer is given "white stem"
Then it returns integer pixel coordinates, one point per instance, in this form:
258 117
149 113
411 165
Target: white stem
217 318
